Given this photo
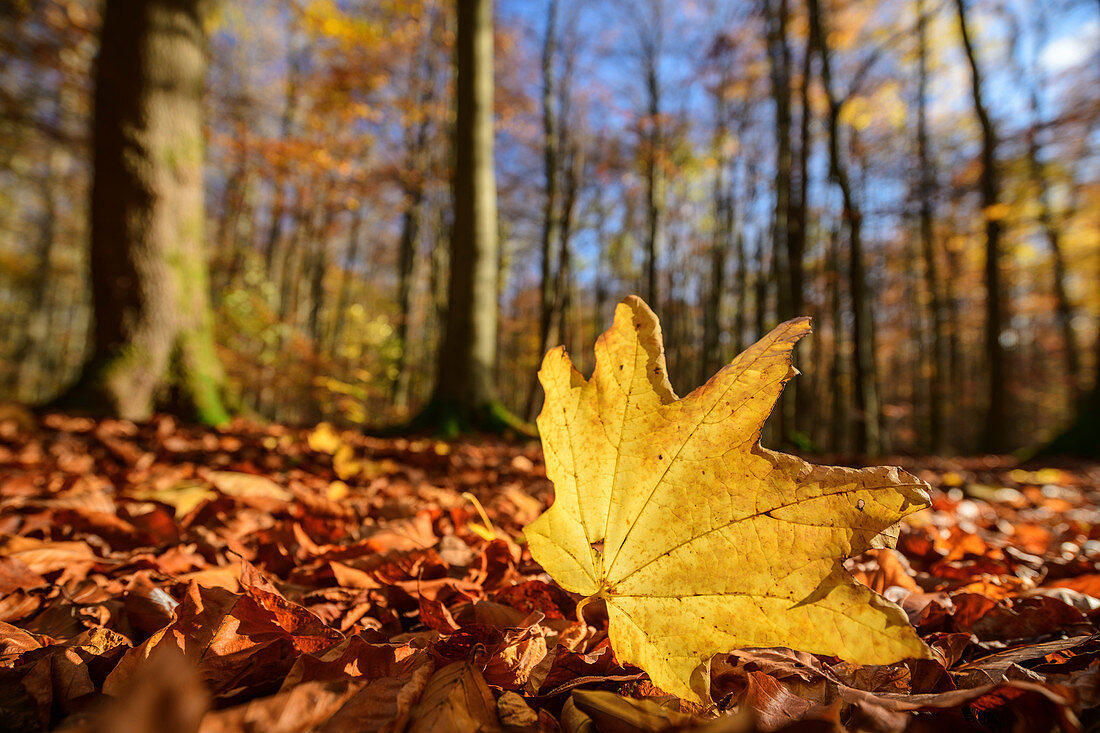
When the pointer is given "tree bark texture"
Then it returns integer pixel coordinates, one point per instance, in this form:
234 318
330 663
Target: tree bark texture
468 356
153 341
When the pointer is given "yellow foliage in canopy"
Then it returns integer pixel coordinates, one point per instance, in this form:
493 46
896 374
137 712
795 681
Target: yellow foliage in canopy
698 539
328 19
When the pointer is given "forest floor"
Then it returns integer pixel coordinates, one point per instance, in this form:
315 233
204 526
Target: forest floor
317 580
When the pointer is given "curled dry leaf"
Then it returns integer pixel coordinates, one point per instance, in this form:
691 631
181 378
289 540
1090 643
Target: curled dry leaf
515 715
238 641
613 713
43 557
456 700
14 642
15 575
248 486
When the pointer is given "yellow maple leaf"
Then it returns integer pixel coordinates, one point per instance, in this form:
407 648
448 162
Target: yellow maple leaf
699 540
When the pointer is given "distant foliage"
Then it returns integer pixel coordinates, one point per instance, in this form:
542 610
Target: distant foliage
329 202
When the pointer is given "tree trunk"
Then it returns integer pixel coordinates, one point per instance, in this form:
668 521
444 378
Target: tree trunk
760 287
228 259
563 300
995 435
741 317
838 406
797 219
406 265
796 404
953 326
603 267
776 14
27 372
719 246
424 72
343 292
779 63
293 252
869 436
653 220
465 395
712 305
271 249
1082 438
551 217
318 267
938 395
437 275
153 341
1063 309
652 163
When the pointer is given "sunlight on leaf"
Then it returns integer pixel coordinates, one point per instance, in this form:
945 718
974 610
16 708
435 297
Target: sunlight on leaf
698 539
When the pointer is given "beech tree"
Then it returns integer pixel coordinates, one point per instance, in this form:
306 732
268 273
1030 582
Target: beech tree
152 340
465 395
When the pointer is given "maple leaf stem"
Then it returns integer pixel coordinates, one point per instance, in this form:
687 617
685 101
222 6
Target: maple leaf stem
601 593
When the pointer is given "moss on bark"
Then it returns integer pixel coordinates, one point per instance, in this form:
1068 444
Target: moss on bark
153 337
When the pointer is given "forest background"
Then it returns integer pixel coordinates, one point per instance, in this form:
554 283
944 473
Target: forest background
920 177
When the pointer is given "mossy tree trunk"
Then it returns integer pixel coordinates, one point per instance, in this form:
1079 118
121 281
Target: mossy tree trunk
152 341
